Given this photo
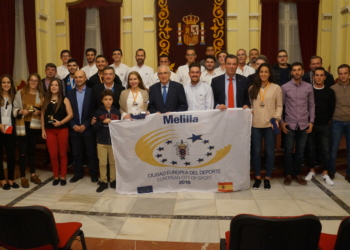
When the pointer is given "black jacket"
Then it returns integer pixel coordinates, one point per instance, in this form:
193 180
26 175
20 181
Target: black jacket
328 82
95 80
103 136
277 73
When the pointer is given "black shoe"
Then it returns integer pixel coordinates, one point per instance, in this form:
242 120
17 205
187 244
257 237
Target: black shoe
63 182
331 175
267 185
113 184
94 179
256 184
55 182
347 177
14 185
6 186
102 187
75 178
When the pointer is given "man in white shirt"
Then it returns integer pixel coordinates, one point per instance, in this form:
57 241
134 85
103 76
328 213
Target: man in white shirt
182 71
210 51
199 95
222 65
120 68
62 71
164 60
243 69
145 72
209 73
90 69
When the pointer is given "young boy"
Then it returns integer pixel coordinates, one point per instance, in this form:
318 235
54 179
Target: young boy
104 115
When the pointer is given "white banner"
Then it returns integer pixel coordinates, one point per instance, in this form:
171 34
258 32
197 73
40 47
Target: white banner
200 151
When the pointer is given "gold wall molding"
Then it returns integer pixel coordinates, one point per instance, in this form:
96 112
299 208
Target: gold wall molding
345 10
127 19
164 28
148 18
60 22
327 16
232 16
218 26
42 17
254 16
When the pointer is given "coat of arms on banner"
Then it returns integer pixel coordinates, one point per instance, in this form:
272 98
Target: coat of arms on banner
191 31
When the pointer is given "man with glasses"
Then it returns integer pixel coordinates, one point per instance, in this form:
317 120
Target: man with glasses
281 70
243 69
182 71
62 71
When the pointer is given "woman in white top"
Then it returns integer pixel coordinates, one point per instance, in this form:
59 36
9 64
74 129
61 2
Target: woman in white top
7 136
134 99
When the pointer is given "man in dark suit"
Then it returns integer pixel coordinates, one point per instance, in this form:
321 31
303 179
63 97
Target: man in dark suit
109 75
69 82
316 62
50 72
81 133
166 96
230 89
97 79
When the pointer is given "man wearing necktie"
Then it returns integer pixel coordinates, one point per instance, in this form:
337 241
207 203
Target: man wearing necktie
166 96
230 89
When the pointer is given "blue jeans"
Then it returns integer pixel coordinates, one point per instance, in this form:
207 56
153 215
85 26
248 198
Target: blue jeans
338 128
319 138
292 164
270 138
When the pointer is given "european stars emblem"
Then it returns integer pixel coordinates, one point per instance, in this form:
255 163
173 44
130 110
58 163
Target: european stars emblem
187 163
164 160
206 141
168 142
195 138
174 162
208 154
158 155
200 160
160 149
211 147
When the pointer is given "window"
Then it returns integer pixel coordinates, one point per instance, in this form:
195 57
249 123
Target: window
93 32
288 31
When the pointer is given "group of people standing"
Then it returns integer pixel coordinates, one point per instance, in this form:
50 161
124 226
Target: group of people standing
74 107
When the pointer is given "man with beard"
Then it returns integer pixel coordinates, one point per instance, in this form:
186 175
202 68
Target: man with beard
253 56
145 72
281 70
210 51
316 62
90 69
209 73
199 95
69 81
298 121
182 71
97 79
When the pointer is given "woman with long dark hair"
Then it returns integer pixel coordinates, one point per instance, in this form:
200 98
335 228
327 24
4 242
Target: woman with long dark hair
266 103
27 111
56 113
7 133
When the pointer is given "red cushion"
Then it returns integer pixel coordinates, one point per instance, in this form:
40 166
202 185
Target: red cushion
327 241
47 247
227 235
65 231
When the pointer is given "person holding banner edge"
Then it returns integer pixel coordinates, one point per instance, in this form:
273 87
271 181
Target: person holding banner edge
266 103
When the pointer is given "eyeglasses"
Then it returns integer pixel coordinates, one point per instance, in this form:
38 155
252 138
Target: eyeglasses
282 56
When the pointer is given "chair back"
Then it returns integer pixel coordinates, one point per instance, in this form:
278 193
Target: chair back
265 233
343 236
27 227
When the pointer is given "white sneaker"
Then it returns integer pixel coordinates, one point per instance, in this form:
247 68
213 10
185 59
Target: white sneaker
309 176
327 179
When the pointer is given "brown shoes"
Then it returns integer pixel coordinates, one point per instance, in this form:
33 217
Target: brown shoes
35 179
300 180
287 180
24 183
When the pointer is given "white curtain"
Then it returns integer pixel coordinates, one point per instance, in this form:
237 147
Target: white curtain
20 71
288 31
93 32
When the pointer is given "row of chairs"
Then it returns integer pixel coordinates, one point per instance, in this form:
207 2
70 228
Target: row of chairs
248 232
34 227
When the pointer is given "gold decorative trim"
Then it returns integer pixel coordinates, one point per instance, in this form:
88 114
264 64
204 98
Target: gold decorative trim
345 10
127 19
232 16
42 17
254 16
218 26
60 22
148 18
164 28
327 16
